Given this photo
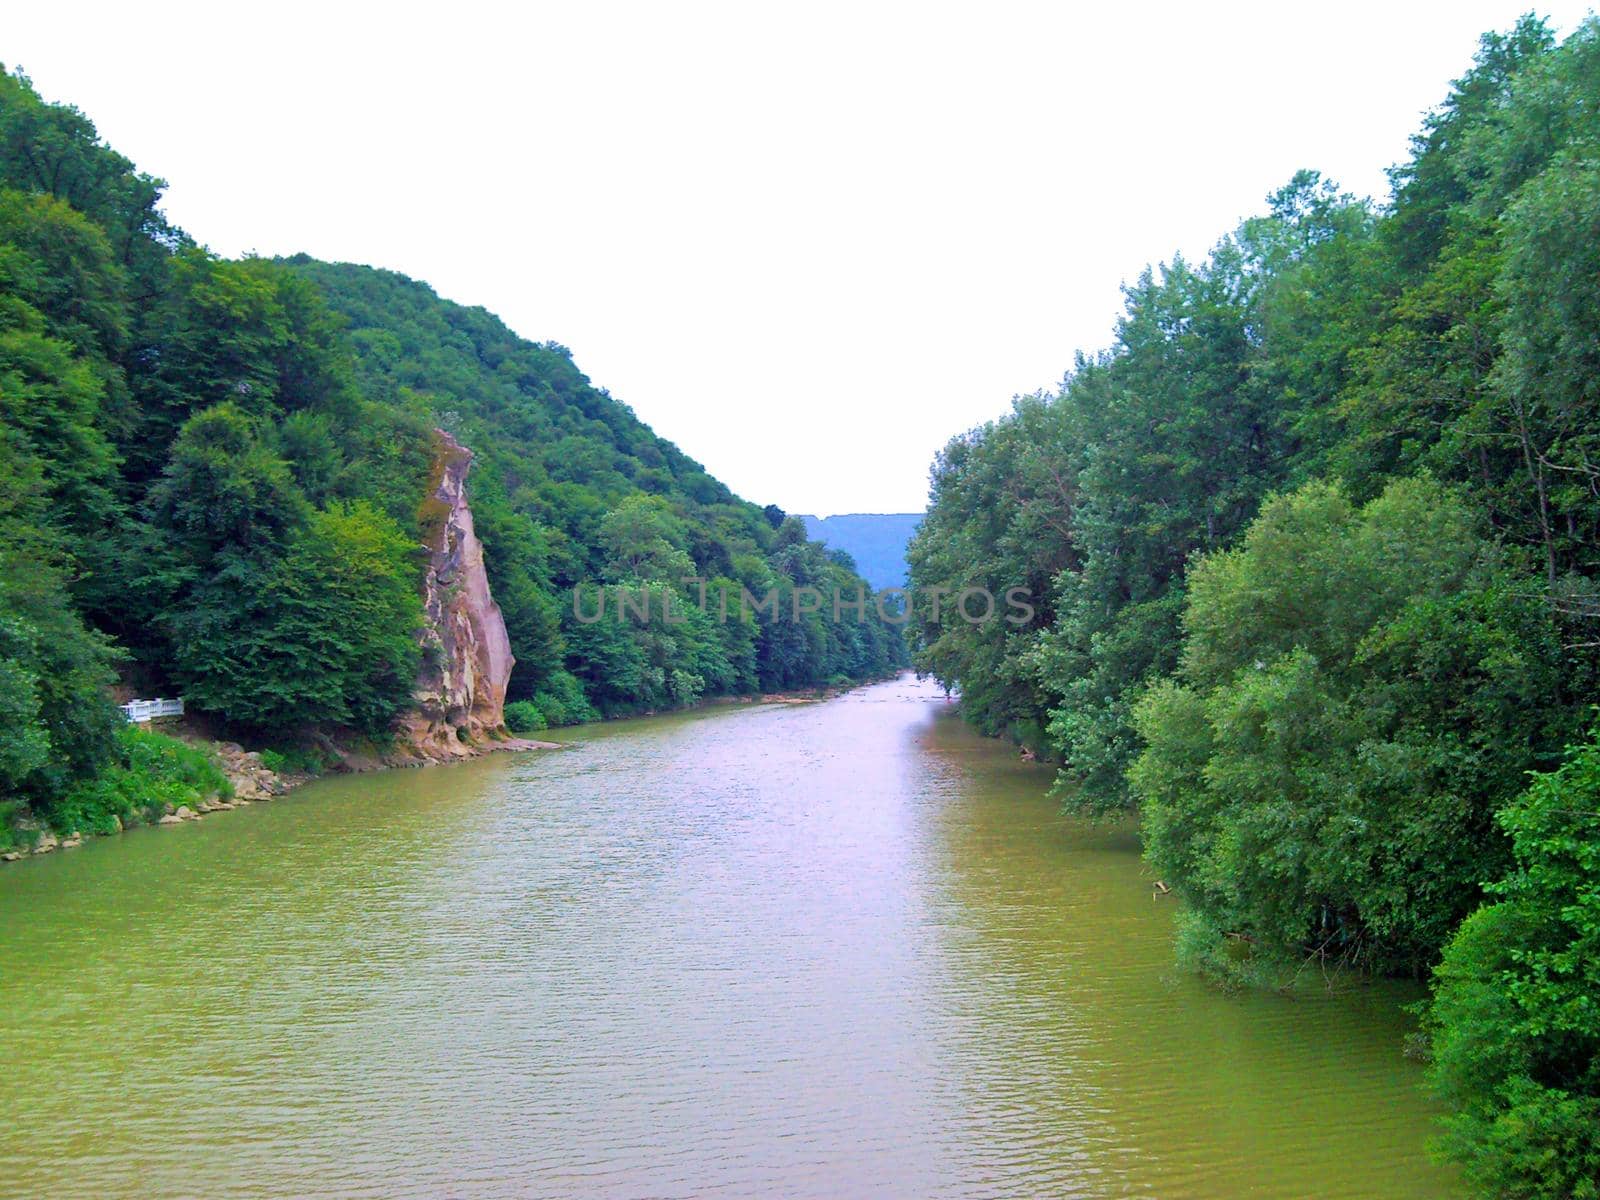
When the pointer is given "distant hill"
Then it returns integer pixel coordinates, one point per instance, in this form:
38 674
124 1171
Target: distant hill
877 541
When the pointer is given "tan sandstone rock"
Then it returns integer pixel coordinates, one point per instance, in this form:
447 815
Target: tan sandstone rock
461 689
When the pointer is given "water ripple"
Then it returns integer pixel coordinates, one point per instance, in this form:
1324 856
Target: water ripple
833 950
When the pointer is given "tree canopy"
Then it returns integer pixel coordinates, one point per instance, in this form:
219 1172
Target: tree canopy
1315 551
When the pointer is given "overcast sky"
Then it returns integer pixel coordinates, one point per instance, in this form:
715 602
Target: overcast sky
808 243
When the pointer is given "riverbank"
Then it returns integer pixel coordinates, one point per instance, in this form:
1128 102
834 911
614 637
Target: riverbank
250 780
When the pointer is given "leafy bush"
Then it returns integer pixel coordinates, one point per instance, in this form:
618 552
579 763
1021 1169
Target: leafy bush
1360 689
299 760
150 773
1515 1020
562 702
523 716
686 687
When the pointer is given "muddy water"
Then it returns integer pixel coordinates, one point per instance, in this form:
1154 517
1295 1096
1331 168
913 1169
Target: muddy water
845 949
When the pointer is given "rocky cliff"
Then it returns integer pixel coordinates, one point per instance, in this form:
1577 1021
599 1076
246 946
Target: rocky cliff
466 655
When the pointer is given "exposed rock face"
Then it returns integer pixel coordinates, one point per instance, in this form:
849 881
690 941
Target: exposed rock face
466 655
252 779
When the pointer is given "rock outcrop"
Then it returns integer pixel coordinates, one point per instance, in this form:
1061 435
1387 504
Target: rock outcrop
252 779
466 655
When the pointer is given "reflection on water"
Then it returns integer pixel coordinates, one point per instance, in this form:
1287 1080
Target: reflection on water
828 950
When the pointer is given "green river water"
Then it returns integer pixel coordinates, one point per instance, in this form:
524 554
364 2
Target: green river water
833 950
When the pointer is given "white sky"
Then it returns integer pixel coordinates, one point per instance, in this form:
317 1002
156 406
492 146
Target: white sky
810 242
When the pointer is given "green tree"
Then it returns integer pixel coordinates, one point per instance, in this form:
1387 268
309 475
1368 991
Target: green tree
1515 1016
1360 689
224 492
324 636
642 540
58 722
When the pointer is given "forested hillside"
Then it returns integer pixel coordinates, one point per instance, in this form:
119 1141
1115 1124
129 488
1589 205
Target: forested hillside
213 483
571 489
875 541
1315 551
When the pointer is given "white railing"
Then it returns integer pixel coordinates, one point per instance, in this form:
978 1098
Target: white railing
144 710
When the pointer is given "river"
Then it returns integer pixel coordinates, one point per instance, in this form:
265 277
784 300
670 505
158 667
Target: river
841 950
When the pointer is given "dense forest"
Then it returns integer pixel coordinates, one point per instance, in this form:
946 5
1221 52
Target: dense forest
1315 551
214 482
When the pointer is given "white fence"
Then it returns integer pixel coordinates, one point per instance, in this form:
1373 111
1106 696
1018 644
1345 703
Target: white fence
144 710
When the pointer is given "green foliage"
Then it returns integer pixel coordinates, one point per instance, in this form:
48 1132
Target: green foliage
250 333
1478 370
59 306
1095 499
224 494
1515 1018
57 722
1360 690
53 150
149 774
643 541
562 702
302 758
327 635
524 716
1546 386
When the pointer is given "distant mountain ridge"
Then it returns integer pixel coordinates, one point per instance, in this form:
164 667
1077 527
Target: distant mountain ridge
877 541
